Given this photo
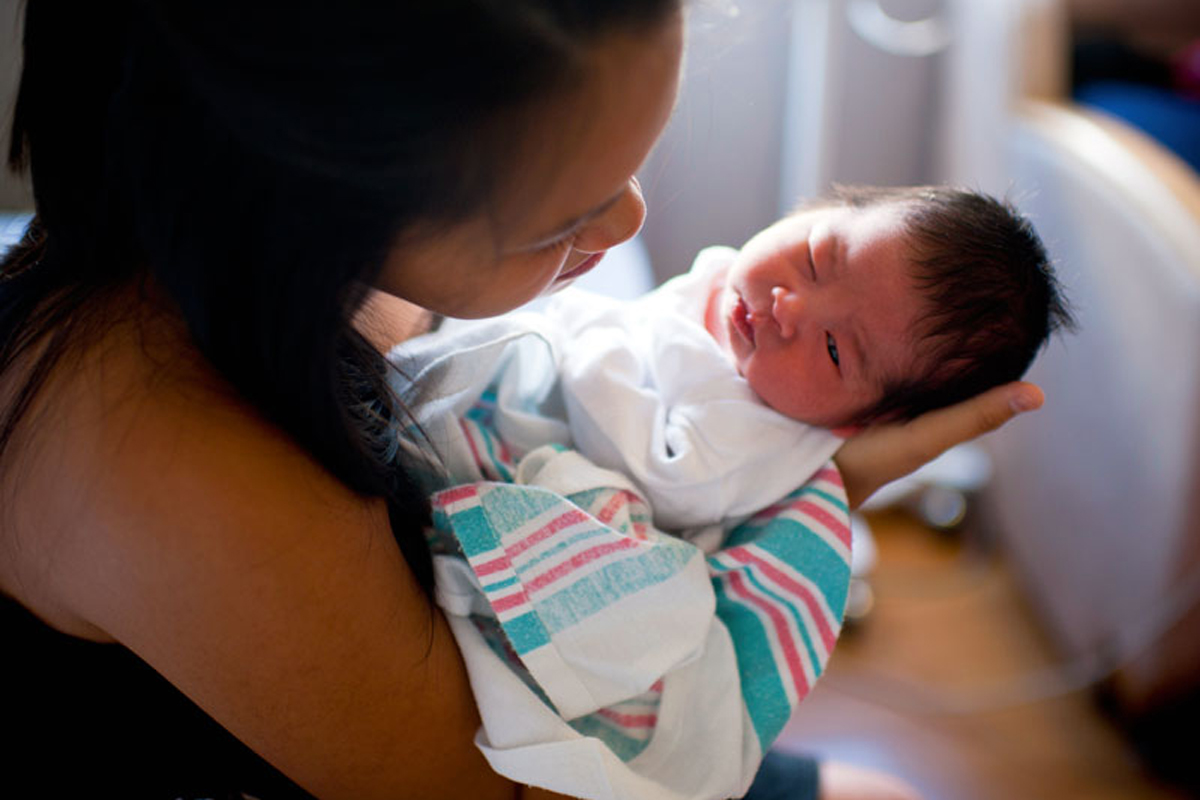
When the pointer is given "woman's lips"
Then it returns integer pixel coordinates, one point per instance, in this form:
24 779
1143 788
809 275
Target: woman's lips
584 266
742 321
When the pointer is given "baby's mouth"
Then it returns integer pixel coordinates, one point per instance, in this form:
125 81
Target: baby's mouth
741 321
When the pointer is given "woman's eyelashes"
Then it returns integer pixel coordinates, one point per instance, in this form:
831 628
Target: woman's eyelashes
557 243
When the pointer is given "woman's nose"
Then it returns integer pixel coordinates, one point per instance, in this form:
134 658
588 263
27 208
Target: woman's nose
619 222
786 308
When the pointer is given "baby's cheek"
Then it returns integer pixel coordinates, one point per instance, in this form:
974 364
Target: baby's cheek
815 398
780 392
758 380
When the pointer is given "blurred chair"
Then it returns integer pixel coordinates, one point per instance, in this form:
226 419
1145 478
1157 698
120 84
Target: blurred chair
1096 495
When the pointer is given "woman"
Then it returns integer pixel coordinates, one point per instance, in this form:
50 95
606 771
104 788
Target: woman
212 579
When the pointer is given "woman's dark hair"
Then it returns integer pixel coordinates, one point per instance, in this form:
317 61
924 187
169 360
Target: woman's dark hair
257 160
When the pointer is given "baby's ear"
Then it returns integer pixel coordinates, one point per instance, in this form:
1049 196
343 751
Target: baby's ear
846 431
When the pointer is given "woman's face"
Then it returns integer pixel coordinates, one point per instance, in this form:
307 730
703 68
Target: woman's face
574 198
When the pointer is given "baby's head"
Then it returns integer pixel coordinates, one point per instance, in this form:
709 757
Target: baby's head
884 303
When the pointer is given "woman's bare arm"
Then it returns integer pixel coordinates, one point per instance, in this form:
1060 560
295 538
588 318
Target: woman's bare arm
172 519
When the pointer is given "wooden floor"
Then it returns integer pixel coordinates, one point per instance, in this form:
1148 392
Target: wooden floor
934 685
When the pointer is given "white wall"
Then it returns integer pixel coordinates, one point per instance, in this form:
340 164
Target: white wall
780 98
714 177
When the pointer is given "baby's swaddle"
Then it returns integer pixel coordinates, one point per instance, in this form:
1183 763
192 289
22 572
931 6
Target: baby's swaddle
610 660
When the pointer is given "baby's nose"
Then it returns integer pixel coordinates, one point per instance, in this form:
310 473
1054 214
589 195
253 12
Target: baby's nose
786 307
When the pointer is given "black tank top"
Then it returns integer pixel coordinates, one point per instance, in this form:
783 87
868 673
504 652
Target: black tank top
93 720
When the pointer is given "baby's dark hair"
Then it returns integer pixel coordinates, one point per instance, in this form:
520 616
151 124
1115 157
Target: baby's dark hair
992 294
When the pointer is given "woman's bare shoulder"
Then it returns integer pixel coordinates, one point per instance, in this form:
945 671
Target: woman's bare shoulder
163 513
134 439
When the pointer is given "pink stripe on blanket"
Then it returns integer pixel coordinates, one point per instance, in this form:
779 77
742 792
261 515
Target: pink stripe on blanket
572 517
615 503
822 515
455 494
493 566
787 645
576 562
629 720
509 601
786 583
828 474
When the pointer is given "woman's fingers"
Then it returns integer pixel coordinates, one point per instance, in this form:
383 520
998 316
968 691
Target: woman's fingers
883 453
931 434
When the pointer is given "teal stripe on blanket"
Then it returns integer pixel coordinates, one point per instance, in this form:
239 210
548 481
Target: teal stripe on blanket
806 552
473 531
504 584
630 572
526 632
511 507
793 609
502 508
625 747
762 687
562 543
836 501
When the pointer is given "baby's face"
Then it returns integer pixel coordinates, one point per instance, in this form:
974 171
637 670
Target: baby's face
817 312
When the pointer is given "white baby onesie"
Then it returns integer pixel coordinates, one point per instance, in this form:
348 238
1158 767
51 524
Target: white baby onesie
649 393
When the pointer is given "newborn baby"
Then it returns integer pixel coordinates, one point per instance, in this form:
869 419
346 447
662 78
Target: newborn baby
730 385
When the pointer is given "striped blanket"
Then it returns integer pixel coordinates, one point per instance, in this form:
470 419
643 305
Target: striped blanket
608 659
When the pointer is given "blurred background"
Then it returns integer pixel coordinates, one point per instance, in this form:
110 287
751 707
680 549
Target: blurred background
1026 614
1026 619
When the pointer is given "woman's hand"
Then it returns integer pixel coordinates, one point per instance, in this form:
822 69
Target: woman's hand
882 453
